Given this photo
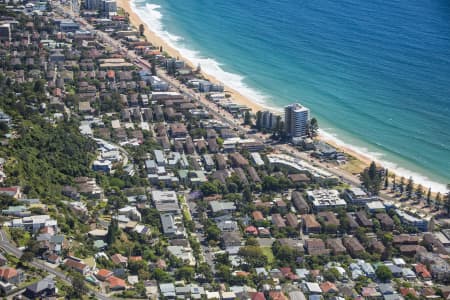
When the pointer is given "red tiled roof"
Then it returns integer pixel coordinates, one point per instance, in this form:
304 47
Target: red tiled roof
242 273
8 273
258 296
135 258
276 295
111 74
75 264
251 230
119 258
328 286
9 189
104 273
116 282
257 215
408 291
422 271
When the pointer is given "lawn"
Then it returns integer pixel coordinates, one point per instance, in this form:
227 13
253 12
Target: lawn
353 166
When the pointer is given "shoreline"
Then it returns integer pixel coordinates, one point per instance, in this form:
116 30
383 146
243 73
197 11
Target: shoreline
153 38
237 97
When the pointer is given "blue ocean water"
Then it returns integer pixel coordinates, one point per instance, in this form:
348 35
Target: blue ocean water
375 73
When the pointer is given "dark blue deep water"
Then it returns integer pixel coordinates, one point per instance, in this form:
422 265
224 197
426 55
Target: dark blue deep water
375 73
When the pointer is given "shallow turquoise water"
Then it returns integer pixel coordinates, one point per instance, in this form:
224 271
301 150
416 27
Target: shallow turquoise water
375 73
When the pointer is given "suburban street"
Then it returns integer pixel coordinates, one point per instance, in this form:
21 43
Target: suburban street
6 245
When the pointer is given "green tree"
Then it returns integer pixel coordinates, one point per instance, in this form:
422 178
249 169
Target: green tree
313 127
419 191
429 196
141 29
447 203
205 270
253 256
38 86
386 179
259 120
247 118
271 184
394 183
331 274
371 179
27 256
209 188
279 128
224 272
284 254
153 62
79 288
222 258
402 185
161 275
213 232
113 230
383 273
409 187
438 200
185 273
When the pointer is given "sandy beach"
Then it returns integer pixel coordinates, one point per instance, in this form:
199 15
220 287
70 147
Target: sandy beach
357 164
237 97
157 41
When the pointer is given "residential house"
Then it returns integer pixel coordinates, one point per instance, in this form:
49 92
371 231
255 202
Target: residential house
300 203
293 244
316 247
422 271
331 222
292 220
116 284
353 246
41 290
253 174
119 259
336 246
386 222
77 266
406 239
11 275
257 216
328 287
167 290
231 239
222 208
237 160
278 221
172 226
310 224
13 191
363 219
103 274
376 246
166 201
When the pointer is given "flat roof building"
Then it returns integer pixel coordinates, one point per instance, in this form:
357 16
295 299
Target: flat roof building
166 201
326 199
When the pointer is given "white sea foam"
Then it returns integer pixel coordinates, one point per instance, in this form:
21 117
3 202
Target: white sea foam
380 158
153 18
